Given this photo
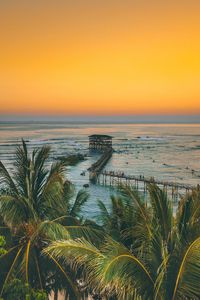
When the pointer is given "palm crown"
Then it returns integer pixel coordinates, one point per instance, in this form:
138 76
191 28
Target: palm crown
36 207
161 262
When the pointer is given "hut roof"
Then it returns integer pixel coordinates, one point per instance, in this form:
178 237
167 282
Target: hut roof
100 136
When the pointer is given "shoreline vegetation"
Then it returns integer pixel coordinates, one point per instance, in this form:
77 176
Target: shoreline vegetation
135 250
71 160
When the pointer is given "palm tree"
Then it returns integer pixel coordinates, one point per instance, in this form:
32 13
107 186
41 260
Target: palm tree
37 206
118 219
163 261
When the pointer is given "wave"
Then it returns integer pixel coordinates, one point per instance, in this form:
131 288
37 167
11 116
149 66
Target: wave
148 138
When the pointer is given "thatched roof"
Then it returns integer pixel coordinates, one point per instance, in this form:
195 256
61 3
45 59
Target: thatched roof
100 136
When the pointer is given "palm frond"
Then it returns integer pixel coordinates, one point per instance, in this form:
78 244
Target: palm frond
112 267
139 206
125 272
162 210
188 276
51 231
188 217
39 158
22 170
52 203
11 268
12 210
140 230
6 180
88 232
68 194
57 168
73 291
76 252
195 215
81 199
104 214
27 259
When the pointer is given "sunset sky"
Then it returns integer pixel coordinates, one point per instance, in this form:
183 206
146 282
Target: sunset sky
99 57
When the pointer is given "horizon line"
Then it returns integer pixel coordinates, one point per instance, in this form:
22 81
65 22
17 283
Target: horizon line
114 119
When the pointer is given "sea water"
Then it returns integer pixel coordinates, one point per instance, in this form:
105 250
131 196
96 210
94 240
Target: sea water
167 152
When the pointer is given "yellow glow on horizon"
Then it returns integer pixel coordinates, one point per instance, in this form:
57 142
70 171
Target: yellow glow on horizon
98 57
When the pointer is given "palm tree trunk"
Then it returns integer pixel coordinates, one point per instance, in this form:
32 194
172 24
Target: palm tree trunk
66 296
56 295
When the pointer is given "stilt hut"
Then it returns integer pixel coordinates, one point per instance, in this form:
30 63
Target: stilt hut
100 142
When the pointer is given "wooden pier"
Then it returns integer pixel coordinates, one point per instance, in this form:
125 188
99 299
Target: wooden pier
103 143
97 167
140 182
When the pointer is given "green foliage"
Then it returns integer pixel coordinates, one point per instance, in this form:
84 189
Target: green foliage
16 289
161 263
72 160
2 245
141 252
37 206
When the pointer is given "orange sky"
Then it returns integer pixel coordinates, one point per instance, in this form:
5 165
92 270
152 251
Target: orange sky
101 57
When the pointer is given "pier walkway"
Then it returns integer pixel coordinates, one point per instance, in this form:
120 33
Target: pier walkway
97 173
96 168
116 178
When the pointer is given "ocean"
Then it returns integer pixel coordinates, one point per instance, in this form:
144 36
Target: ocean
168 152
